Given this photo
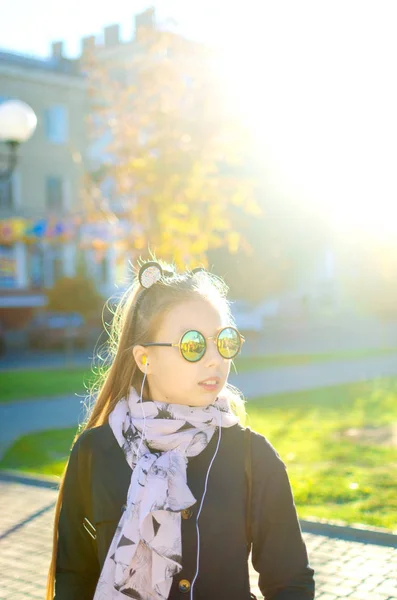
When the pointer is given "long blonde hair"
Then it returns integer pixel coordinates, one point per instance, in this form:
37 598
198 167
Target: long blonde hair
129 329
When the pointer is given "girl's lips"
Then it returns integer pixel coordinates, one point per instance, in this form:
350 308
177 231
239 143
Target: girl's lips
210 384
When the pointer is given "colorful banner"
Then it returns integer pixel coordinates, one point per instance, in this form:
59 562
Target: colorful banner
33 230
94 234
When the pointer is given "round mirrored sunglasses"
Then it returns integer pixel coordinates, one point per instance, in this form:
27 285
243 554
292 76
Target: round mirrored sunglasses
193 344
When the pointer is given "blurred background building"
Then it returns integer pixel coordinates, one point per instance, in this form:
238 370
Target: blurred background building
46 231
40 204
37 201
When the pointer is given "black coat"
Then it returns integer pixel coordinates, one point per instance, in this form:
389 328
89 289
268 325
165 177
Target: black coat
96 486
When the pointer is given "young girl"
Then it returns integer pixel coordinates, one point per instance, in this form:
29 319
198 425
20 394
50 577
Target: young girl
155 498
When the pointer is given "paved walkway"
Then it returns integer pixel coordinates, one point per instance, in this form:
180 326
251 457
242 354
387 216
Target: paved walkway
344 569
30 416
305 377
20 418
307 334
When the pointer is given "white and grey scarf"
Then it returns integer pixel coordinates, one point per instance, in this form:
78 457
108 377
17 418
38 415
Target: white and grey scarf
146 551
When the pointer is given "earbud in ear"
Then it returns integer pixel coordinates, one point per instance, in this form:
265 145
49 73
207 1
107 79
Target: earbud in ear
144 360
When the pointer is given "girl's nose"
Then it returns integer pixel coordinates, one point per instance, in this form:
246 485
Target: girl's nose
212 355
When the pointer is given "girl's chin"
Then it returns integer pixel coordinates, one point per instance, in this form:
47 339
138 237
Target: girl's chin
205 400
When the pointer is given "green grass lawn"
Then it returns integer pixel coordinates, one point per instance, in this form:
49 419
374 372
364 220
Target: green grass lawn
43 453
257 363
332 476
18 385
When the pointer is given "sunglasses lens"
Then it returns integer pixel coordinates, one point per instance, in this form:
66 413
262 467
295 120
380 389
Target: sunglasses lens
229 342
193 346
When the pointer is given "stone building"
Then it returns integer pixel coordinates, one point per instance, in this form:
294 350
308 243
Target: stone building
44 188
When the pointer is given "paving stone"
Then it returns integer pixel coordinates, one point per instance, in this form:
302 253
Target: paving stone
343 570
370 596
339 591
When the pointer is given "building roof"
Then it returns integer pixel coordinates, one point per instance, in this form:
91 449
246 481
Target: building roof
53 64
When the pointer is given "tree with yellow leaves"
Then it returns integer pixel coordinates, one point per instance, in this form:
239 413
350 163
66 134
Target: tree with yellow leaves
170 154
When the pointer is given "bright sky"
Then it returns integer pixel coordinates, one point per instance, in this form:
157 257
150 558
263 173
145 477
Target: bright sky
316 79
30 26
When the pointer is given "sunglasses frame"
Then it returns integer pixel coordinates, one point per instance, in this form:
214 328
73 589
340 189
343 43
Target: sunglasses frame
211 337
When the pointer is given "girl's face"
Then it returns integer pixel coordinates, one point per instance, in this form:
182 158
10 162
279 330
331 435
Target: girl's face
173 379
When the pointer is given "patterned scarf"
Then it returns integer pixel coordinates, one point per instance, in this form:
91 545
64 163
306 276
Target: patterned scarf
146 551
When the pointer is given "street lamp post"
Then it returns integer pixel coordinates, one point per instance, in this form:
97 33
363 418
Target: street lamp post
17 124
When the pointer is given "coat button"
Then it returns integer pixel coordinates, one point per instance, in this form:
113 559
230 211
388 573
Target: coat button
187 513
184 586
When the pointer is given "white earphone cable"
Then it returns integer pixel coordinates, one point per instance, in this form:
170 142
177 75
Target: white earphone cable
143 413
205 485
201 506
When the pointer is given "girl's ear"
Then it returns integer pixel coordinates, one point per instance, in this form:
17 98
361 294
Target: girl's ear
141 358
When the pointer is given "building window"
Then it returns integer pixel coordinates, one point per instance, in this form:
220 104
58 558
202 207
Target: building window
56 124
36 265
54 194
57 264
8 268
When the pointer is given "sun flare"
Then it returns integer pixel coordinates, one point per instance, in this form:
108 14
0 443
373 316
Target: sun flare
321 100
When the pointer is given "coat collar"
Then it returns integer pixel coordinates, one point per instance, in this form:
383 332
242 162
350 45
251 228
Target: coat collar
106 437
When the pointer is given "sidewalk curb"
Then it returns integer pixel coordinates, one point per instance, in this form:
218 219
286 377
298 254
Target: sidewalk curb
365 535
362 534
44 481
